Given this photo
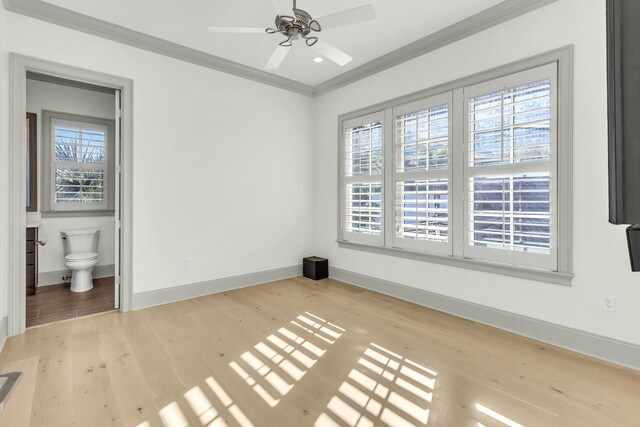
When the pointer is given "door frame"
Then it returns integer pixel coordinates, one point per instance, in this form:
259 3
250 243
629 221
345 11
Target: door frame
19 66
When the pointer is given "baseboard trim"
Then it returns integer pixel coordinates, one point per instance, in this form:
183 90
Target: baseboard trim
55 277
4 331
179 293
600 347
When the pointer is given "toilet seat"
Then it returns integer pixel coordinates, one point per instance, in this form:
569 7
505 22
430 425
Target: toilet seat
81 256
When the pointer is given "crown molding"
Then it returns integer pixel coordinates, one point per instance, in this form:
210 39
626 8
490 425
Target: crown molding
493 16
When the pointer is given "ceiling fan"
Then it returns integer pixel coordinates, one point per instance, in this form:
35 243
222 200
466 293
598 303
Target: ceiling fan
301 25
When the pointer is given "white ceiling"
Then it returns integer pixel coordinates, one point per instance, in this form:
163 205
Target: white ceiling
398 23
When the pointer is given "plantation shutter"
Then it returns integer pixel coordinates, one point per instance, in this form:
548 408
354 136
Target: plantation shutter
511 169
363 144
422 175
79 165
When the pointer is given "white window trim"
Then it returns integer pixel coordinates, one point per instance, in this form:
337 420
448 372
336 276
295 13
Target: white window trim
64 206
563 274
47 193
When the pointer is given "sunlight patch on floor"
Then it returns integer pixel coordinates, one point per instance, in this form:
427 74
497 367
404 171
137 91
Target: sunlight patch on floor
172 416
384 388
283 358
496 416
202 407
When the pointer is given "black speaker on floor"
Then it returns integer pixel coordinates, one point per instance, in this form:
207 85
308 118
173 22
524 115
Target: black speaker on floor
315 268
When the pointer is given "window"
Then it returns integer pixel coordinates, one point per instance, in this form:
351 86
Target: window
363 175
79 165
511 144
79 160
471 174
421 175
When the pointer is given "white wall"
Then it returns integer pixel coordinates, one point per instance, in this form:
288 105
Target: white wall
222 165
601 262
48 96
4 170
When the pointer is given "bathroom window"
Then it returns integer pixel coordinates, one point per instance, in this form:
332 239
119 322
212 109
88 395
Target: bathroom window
79 151
79 157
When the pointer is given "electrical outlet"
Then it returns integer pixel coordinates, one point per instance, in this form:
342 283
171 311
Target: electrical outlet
609 303
187 263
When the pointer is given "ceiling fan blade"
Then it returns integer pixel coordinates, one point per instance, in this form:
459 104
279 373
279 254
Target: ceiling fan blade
237 30
331 52
276 59
283 7
348 17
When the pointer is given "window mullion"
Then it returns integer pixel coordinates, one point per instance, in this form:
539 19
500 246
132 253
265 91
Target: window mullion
508 169
388 188
425 175
363 179
457 168
80 166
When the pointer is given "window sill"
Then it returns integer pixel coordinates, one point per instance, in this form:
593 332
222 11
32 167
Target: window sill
76 214
553 277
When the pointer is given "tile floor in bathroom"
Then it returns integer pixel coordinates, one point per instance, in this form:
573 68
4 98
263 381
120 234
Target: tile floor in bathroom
56 302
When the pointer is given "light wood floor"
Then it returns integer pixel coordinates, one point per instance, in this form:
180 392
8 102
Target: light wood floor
299 352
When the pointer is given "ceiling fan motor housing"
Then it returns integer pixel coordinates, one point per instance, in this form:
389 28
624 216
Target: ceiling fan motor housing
296 27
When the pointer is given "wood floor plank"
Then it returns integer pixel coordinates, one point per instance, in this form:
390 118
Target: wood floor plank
182 356
94 396
21 346
136 403
157 369
18 409
54 397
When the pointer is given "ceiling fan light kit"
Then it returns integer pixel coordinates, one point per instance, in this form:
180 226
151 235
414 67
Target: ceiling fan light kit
301 25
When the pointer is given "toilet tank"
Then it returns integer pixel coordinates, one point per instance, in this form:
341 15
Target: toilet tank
80 240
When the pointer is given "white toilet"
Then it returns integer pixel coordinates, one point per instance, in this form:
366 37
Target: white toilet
80 256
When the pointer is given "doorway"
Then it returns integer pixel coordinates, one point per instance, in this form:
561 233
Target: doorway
85 186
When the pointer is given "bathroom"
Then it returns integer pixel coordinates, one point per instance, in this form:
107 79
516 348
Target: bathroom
71 199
